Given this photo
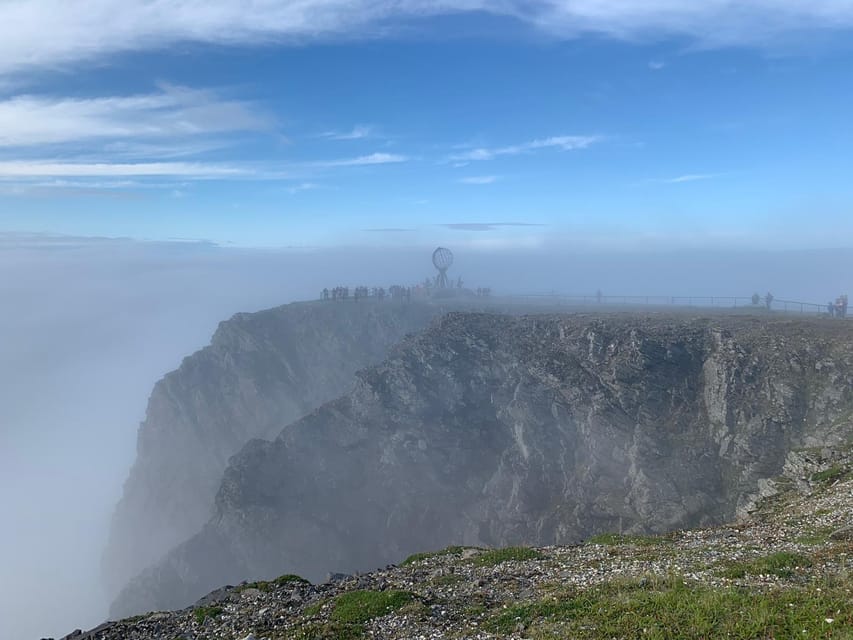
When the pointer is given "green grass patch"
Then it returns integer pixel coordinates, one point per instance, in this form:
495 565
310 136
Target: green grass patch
327 631
357 607
781 564
507 554
350 611
270 585
448 580
426 555
615 539
203 613
830 475
669 609
814 536
314 609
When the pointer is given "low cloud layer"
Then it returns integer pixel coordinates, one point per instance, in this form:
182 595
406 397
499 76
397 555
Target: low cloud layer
487 226
94 322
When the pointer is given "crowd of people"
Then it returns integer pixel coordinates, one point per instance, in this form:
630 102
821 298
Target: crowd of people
396 292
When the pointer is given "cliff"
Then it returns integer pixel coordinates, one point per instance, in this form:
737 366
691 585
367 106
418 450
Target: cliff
261 371
489 430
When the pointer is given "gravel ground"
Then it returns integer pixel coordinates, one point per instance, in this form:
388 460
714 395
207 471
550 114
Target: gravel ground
460 592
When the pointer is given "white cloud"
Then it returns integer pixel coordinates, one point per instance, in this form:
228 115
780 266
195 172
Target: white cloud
169 114
479 180
43 169
57 33
303 186
373 158
656 65
690 177
560 143
712 23
357 133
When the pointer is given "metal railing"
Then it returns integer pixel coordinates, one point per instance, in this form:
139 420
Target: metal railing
717 302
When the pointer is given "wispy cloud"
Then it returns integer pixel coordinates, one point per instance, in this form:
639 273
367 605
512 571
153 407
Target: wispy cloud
487 226
373 158
303 186
478 180
43 169
358 132
168 114
54 33
656 65
559 143
690 177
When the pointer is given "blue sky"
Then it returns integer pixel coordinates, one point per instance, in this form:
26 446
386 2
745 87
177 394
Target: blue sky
486 124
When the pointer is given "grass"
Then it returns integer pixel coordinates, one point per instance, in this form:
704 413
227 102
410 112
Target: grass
815 536
448 580
357 607
613 539
326 632
350 611
497 556
270 585
781 564
426 555
830 475
670 609
203 613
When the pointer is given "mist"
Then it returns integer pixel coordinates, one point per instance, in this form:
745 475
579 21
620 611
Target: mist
88 326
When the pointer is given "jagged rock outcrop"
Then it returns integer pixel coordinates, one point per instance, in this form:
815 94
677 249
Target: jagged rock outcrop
491 430
261 371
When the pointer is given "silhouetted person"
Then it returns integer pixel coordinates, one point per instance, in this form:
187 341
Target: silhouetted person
830 308
768 300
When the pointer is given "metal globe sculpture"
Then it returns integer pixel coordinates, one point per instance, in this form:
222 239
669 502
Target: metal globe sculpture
442 259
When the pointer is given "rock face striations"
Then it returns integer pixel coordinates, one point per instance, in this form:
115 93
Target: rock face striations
490 430
261 371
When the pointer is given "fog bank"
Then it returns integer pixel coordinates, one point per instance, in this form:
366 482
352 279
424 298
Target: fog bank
89 325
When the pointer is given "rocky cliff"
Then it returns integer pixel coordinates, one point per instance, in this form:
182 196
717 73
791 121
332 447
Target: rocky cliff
490 430
261 371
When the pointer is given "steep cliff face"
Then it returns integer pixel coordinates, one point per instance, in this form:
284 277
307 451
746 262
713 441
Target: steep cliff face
261 370
492 430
